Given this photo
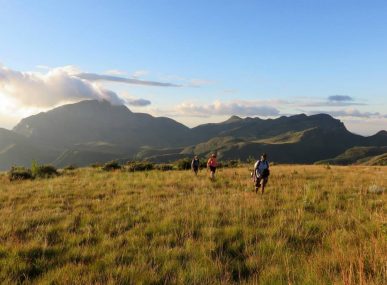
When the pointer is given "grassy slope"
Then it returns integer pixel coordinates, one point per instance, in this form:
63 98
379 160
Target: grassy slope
358 155
377 160
288 137
313 226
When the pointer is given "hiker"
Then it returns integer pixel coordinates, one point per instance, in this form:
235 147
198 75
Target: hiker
261 173
212 164
195 165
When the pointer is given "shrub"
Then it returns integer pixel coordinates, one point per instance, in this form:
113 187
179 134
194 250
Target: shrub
140 166
164 167
43 171
251 159
96 165
19 173
111 165
70 167
183 164
230 163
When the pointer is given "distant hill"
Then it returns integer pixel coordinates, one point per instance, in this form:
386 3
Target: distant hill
256 128
359 155
97 131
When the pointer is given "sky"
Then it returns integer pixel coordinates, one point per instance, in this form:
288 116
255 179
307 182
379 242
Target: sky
198 61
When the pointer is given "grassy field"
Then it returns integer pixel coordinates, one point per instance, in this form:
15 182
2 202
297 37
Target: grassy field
314 225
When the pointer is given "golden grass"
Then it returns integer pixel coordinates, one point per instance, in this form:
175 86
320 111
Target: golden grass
314 225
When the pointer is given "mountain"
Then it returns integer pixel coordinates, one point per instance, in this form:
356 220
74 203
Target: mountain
294 139
377 139
94 121
97 131
256 128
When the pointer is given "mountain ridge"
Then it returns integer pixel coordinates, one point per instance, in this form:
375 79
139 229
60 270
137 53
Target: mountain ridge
96 131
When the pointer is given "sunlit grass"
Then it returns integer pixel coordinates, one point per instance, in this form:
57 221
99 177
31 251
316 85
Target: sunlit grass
314 225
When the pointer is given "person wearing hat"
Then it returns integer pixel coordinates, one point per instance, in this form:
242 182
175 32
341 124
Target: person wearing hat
261 173
212 164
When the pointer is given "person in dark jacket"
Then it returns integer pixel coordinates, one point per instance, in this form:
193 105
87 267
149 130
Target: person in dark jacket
195 164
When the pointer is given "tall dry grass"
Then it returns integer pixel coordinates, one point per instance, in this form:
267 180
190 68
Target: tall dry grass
314 225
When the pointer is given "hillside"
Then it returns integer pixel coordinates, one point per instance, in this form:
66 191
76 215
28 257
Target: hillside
97 131
377 160
306 146
356 155
16 149
295 139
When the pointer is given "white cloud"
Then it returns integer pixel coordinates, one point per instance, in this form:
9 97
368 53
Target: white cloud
241 108
56 86
8 121
138 102
366 127
351 113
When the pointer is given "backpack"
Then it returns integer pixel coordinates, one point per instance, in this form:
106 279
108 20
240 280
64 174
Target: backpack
265 172
195 162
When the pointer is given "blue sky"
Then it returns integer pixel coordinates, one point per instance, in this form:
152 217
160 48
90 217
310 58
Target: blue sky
252 58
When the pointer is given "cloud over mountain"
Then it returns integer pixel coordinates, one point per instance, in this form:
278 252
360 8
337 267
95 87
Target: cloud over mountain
138 102
51 88
351 113
241 108
62 85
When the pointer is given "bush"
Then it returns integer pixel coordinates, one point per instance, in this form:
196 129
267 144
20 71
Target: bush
43 171
140 166
70 167
183 164
111 165
164 167
19 173
230 163
96 165
251 159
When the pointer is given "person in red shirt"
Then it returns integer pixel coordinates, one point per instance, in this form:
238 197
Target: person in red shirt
212 164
